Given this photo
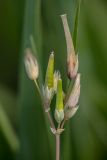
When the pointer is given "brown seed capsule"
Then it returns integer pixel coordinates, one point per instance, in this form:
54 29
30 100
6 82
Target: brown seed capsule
72 58
75 93
31 65
72 63
70 112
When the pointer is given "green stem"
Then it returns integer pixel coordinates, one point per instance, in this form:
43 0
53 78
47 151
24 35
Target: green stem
50 120
37 86
48 113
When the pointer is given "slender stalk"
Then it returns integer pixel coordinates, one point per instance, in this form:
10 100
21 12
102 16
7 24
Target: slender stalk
50 120
57 146
37 88
62 125
58 126
48 113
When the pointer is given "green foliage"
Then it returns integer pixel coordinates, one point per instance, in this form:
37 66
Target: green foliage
85 134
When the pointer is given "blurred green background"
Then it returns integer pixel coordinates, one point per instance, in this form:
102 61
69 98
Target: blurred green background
24 130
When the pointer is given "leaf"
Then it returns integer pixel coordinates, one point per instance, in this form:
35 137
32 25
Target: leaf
76 21
8 132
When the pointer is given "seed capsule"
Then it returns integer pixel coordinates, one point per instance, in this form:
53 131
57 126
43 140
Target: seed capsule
75 93
59 96
49 79
59 112
70 112
72 58
59 115
72 66
31 65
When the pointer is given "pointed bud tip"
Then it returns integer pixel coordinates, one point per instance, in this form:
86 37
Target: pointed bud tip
52 54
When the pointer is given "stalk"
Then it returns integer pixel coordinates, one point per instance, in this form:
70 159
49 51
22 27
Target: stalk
57 146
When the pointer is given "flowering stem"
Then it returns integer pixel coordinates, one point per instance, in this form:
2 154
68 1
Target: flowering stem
48 113
62 125
58 126
50 120
37 87
57 146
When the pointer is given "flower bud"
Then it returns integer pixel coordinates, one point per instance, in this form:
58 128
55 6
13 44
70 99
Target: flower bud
75 93
31 65
59 112
72 59
49 79
70 112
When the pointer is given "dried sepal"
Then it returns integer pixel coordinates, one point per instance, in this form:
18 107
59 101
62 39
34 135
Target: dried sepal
53 130
72 59
59 130
56 78
75 93
70 112
69 42
47 97
72 66
31 65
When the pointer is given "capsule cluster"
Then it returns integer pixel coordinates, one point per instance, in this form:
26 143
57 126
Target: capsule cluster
66 103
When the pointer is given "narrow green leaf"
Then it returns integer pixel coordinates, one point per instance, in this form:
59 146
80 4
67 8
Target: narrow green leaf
76 21
8 132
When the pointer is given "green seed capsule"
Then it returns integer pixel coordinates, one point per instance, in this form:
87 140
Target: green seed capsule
59 112
59 115
59 97
49 79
